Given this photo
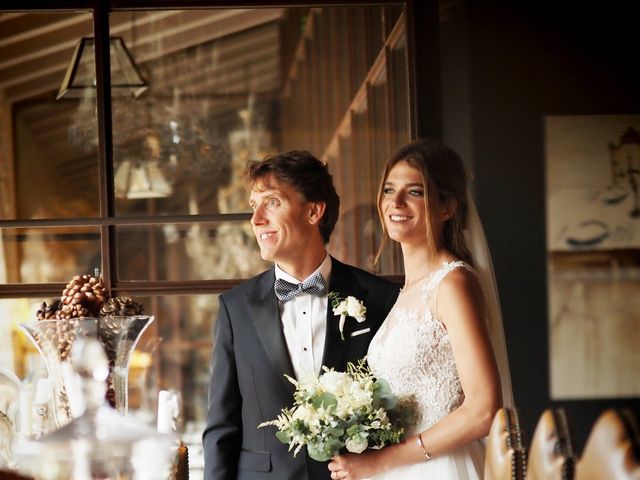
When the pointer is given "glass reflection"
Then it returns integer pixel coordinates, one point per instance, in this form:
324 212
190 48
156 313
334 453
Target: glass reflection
211 105
46 172
179 252
44 255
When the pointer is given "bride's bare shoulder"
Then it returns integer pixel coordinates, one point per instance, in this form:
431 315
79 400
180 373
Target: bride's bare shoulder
459 293
459 281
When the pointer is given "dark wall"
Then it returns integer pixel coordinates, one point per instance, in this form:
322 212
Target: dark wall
503 68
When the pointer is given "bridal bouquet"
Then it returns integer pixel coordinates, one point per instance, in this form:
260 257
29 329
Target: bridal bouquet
338 411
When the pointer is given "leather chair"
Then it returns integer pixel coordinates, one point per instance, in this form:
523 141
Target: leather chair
612 450
505 456
10 475
182 471
551 455
180 467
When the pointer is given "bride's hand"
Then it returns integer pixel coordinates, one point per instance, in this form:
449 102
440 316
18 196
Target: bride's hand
351 466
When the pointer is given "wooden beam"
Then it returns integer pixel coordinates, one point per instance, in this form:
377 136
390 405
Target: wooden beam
184 30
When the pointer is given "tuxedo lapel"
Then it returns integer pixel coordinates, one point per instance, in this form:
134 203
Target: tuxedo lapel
265 314
344 283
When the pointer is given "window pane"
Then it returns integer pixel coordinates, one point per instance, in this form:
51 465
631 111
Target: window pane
216 98
174 353
211 105
50 167
179 343
14 345
188 252
358 54
43 255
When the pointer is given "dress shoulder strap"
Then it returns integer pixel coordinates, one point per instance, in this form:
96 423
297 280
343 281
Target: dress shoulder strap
431 286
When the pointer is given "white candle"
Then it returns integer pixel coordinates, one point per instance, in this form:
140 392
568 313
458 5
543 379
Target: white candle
40 407
24 410
167 410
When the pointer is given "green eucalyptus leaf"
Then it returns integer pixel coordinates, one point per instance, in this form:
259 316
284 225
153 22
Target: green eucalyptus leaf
382 392
283 437
352 430
326 400
317 454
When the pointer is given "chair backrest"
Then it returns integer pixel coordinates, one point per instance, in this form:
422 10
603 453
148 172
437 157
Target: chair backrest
613 448
182 472
505 457
180 467
551 455
10 475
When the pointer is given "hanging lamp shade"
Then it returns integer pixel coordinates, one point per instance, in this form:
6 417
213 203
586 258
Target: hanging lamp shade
141 179
126 79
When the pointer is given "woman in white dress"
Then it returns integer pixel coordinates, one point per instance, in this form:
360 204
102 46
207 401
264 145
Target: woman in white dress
435 347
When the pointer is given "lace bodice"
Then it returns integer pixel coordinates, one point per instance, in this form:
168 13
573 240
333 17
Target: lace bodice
412 352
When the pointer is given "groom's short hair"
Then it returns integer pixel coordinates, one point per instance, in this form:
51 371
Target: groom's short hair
307 175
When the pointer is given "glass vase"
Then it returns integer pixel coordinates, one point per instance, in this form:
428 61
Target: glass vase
99 444
54 340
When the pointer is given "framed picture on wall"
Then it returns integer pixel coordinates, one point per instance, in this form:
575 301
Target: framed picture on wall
593 251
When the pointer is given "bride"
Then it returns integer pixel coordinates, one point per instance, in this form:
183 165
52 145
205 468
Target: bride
441 347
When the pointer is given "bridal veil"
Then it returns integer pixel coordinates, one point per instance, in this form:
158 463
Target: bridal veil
477 245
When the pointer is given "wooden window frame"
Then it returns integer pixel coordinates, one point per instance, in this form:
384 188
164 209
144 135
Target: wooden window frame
425 118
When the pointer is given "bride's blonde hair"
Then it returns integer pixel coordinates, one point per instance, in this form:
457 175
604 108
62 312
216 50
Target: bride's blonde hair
441 167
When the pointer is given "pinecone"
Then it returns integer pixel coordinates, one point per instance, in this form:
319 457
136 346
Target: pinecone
68 312
110 394
121 306
65 329
83 296
47 338
48 312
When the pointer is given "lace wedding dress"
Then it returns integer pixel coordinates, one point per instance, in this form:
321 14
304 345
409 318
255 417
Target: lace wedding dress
412 352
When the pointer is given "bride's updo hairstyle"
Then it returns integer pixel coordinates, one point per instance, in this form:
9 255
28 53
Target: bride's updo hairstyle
441 167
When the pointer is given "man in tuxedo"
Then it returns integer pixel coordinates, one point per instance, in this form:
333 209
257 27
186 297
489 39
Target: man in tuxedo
281 322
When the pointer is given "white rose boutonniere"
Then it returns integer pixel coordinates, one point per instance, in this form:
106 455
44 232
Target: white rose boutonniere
347 307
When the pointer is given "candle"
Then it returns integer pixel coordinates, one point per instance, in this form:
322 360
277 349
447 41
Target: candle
24 410
167 410
40 407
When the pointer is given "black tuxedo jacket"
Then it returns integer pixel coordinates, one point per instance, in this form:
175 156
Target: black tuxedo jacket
249 360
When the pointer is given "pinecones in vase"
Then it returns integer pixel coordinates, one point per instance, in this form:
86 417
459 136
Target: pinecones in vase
65 330
112 327
48 312
67 312
82 297
121 306
85 296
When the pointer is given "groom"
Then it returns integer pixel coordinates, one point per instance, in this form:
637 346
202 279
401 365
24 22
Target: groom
281 322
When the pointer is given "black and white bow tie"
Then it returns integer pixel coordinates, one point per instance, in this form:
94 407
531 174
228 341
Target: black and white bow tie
314 285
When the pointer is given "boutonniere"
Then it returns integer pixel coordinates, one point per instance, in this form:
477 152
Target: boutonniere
347 307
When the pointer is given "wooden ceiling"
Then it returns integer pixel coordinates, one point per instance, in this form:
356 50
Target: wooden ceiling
35 48
208 61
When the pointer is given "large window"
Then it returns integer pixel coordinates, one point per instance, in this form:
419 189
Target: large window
144 182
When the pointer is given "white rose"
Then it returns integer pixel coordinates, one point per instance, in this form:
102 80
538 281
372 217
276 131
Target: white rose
302 413
348 307
357 444
343 409
334 382
360 398
340 309
355 309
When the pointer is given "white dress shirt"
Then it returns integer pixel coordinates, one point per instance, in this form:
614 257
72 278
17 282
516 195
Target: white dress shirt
304 323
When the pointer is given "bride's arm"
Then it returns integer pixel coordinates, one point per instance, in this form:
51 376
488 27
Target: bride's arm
460 306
